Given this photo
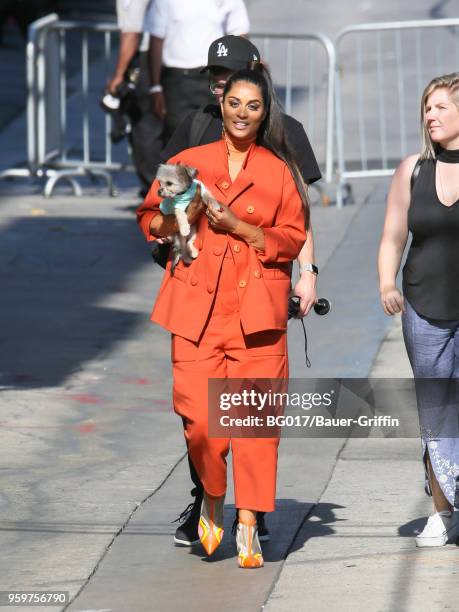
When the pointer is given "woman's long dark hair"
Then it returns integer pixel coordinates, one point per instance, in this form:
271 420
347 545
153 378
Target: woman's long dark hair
272 133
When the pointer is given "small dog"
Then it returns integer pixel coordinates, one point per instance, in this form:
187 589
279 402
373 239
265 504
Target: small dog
178 187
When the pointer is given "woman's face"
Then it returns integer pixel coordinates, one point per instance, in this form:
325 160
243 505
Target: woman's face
243 110
441 117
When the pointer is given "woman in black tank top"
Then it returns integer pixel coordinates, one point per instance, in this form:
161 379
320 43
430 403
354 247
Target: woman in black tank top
424 200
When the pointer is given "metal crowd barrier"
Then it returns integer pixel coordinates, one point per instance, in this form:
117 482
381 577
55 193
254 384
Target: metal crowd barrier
302 67
69 134
378 92
364 77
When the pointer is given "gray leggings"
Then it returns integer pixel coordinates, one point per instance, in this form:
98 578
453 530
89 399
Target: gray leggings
433 350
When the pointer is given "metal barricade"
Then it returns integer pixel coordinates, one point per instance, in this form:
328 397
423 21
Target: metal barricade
69 134
303 72
378 92
364 78
36 95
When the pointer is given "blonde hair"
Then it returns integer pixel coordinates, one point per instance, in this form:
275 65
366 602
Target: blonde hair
449 82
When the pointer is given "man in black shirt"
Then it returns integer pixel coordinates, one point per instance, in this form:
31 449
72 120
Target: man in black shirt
227 55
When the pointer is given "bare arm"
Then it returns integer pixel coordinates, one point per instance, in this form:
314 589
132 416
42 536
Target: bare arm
163 225
305 288
156 59
252 235
395 236
156 62
129 43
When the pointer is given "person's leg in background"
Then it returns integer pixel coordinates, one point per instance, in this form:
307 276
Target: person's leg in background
184 91
456 439
186 533
432 348
147 136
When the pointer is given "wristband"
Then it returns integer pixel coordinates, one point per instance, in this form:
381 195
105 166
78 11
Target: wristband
309 267
155 89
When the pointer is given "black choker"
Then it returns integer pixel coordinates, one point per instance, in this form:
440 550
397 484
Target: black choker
449 156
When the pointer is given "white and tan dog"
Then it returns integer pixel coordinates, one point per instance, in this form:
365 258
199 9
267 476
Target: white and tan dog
178 186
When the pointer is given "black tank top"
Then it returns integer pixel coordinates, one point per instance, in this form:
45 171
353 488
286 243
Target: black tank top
431 271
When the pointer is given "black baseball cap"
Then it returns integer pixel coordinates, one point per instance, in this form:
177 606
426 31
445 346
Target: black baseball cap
231 52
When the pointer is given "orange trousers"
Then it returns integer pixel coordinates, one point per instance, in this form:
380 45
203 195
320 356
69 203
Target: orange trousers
225 352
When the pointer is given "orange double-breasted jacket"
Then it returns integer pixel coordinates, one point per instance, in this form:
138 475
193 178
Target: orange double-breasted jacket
263 194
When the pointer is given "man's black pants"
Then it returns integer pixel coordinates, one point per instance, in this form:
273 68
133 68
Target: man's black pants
185 90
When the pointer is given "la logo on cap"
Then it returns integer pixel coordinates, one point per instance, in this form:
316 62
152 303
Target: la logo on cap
222 51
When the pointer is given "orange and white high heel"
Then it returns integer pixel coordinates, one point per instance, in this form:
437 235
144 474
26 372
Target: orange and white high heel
248 545
210 527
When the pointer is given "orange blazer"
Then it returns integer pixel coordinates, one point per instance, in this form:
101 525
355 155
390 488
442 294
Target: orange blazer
263 194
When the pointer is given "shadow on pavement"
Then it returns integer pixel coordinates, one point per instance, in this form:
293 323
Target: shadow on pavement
55 275
319 524
286 527
414 527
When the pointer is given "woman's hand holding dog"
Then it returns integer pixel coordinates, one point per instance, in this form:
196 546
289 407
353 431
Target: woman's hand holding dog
222 218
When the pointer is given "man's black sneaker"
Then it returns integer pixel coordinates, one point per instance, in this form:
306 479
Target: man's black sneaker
187 533
263 533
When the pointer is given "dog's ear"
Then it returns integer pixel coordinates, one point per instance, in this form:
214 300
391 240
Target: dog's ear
182 173
192 172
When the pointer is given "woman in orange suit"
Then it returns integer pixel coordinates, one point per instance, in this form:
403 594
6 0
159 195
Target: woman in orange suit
227 310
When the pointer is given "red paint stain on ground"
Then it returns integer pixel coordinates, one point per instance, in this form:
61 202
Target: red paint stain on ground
86 427
137 381
87 399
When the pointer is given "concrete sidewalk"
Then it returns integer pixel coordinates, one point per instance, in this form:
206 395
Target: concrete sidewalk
91 450
92 454
359 551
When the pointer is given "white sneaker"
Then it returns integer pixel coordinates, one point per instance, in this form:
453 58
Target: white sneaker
440 528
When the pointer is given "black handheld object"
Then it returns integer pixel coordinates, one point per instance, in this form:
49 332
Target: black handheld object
160 253
123 105
321 307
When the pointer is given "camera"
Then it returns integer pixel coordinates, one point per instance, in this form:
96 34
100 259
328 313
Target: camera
122 105
112 102
321 307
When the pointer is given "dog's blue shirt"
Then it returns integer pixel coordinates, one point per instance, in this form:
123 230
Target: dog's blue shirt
182 200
